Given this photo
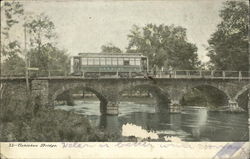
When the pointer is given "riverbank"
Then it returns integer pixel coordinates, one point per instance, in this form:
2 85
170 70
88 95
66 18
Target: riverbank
24 120
47 125
37 123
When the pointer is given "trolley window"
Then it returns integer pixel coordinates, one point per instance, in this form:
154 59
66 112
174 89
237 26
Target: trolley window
138 61
96 61
108 61
102 61
132 61
126 61
114 61
84 61
90 61
120 61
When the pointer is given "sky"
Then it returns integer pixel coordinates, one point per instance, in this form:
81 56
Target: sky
84 26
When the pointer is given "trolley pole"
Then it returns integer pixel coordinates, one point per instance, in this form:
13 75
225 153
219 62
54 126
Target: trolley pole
248 77
26 61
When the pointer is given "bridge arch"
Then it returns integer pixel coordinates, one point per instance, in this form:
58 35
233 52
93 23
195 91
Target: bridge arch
161 97
208 87
242 97
70 87
244 89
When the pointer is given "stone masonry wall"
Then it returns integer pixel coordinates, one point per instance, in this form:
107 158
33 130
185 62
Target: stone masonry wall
40 91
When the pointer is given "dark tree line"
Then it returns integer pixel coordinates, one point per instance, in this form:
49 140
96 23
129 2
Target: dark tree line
165 45
228 46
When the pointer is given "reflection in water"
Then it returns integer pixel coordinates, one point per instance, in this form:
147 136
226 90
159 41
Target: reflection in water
109 124
194 120
193 124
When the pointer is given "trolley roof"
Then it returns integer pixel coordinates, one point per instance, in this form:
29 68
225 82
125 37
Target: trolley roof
110 55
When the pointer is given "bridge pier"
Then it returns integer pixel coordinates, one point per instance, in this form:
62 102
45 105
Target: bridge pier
175 96
162 103
111 104
69 98
233 106
175 102
40 90
175 106
109 124
112 108
103 107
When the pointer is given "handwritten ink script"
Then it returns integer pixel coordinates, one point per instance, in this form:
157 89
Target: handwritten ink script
201 146
215 150
106 145
223 149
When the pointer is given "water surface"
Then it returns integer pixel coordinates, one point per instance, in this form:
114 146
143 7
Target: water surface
192 124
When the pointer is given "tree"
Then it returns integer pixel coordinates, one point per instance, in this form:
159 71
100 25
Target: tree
228 46
50 59
165 46
13 65
41 32
11 13
110 48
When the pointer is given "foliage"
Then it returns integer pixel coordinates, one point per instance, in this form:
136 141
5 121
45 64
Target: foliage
43 53
110 48
13 101
11 13
22 120
41 30
49 58
228 46
13 10
11 49
14 65
165 46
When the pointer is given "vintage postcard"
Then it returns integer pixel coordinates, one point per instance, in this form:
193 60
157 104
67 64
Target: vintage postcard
124 79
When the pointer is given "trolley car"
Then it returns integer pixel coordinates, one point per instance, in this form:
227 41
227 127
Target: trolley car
109 64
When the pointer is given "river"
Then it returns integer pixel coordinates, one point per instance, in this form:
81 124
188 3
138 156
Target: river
192 124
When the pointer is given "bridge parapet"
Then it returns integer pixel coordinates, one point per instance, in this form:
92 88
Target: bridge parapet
208 74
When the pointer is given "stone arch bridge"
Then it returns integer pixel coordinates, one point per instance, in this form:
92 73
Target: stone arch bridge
108 89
